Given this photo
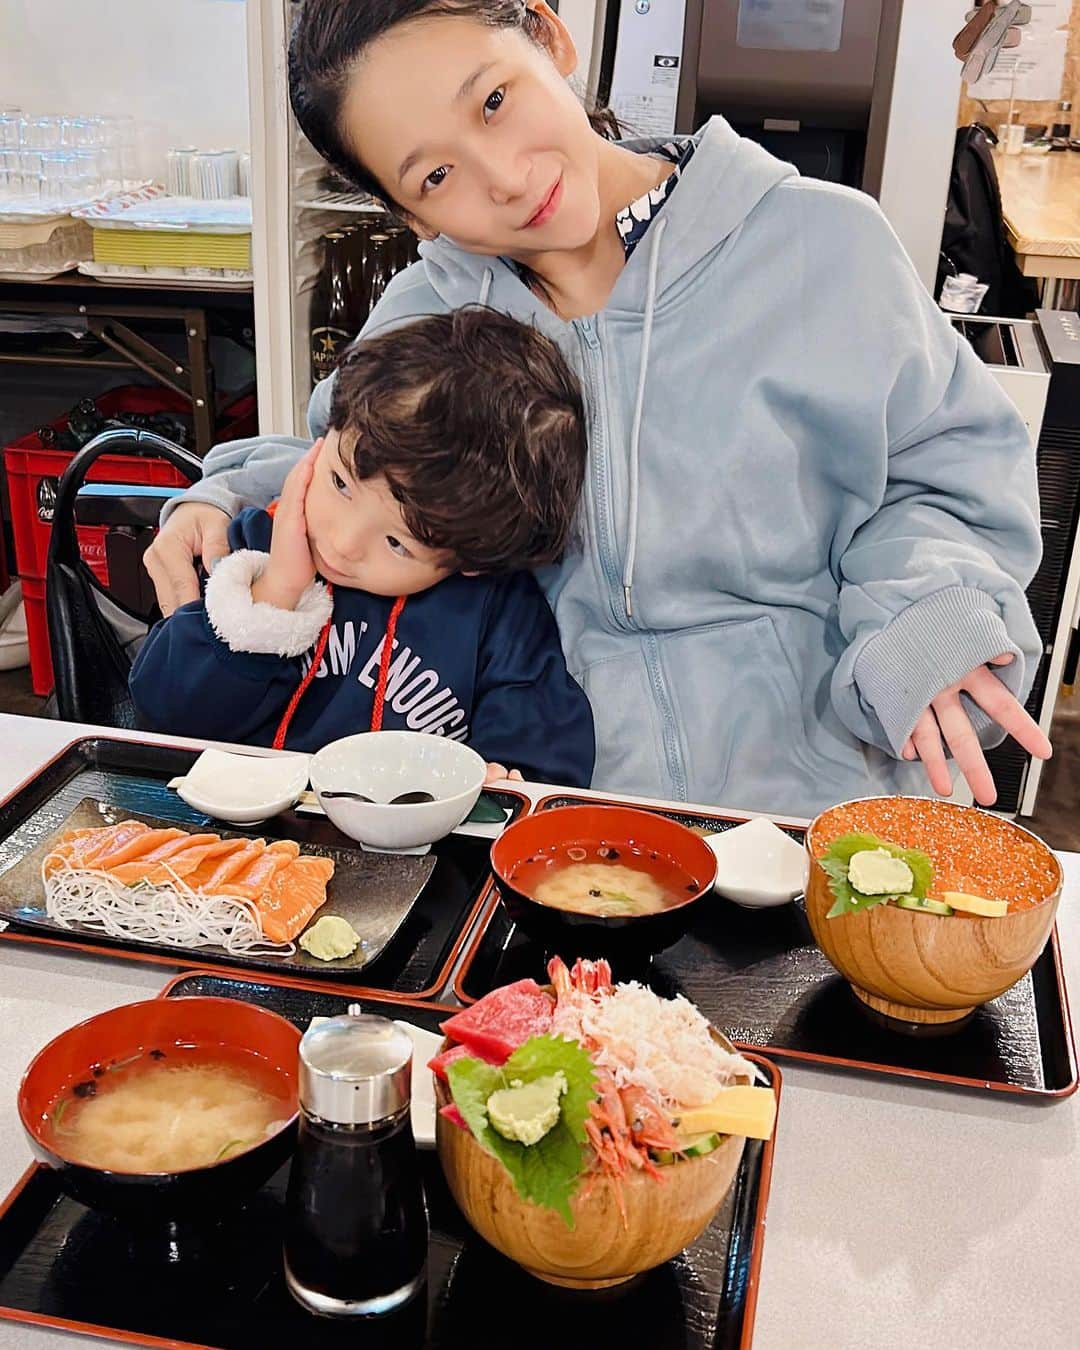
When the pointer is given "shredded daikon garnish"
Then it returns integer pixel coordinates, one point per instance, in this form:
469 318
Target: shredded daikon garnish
170 912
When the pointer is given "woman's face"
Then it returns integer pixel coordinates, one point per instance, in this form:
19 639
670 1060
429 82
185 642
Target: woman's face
476 134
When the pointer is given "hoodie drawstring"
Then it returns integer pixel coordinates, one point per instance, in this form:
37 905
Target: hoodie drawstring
485 286
656 233
278 742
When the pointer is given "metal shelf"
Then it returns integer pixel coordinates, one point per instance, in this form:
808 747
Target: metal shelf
354 203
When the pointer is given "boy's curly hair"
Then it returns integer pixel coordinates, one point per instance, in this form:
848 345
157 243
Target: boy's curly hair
476 422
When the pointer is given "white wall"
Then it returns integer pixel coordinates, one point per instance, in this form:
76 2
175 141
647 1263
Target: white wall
922 128
177 66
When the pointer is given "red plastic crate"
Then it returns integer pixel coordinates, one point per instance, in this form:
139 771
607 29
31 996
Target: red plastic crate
32 474
37 635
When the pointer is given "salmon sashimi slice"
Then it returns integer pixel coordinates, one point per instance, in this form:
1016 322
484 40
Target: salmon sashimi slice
73 846
85 850
182 854
127 850
251 883
202 859
295 893
217 871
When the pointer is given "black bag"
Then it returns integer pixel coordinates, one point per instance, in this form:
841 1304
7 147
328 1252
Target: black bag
973 239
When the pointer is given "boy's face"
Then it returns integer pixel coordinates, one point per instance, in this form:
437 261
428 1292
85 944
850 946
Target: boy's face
357 535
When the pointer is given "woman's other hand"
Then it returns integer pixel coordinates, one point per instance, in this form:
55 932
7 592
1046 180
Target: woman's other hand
193 530
945 723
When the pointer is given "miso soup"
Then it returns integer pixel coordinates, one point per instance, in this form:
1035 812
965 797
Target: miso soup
605 880
171 1110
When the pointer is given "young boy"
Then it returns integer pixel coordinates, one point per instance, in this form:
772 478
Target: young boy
387 587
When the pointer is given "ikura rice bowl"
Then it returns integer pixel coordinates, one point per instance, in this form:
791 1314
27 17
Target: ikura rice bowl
971 851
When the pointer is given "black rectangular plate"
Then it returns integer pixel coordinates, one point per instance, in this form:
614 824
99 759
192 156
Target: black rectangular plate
372 891
63 1266
758 975
132 776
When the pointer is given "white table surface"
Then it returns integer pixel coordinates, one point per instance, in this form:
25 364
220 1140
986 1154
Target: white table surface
900 1216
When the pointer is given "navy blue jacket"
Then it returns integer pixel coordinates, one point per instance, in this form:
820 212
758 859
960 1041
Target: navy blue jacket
475 658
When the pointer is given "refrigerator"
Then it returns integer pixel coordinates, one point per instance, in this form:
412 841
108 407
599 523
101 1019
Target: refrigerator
292 208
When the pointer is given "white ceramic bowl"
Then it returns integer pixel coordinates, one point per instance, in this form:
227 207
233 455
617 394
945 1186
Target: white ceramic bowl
384 764
758 865
244 789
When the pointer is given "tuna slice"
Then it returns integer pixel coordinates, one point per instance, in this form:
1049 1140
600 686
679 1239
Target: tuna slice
504 1019
439 1063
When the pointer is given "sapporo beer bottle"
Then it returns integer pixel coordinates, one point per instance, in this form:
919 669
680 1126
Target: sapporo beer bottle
330 309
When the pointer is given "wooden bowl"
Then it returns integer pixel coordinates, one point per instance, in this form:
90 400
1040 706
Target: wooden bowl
925 968
600 1250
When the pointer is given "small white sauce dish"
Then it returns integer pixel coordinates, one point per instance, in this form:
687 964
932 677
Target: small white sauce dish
758 865
385 764
244 789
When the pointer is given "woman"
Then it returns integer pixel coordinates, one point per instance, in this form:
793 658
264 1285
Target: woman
809 515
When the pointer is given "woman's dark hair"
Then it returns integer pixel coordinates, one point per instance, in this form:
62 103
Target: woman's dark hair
330 35
477 425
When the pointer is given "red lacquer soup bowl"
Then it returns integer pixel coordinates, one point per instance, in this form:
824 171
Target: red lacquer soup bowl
534 849
78 1063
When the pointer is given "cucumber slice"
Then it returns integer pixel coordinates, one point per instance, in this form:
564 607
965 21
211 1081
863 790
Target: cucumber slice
925 905
696 1147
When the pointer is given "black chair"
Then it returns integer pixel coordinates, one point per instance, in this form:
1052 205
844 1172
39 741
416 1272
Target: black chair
93 636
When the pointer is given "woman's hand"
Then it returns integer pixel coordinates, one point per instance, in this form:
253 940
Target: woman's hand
291 569
945 719
193 530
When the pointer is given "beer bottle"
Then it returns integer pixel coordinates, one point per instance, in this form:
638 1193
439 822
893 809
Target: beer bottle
381 270
357 250
84 422
330 330
404 246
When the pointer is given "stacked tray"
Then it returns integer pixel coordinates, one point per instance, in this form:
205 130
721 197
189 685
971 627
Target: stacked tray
759 975
428 903
63 1266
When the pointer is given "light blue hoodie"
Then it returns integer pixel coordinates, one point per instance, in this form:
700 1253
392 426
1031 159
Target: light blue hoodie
808 507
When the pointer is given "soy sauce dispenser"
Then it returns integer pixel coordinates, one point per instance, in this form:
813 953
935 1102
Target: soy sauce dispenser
356 1232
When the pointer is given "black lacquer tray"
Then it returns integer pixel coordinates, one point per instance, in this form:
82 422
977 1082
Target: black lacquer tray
758 975
62 1266
132 776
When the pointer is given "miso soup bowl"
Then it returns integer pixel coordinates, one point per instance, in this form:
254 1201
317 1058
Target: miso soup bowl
83 1054
628 937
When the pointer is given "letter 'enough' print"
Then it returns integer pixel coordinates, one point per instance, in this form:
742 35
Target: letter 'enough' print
414 691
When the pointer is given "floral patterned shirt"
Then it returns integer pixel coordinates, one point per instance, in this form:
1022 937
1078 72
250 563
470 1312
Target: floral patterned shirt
634 220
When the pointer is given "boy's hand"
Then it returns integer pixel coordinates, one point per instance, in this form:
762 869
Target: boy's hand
497 772
946 718
290 570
